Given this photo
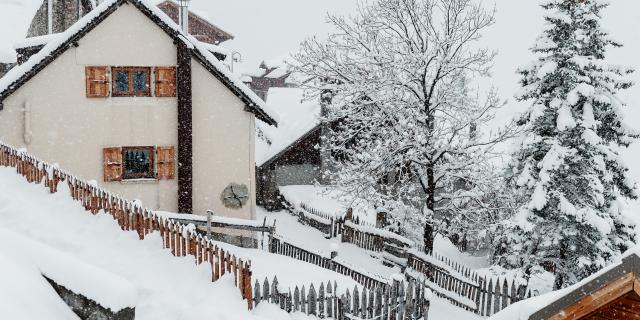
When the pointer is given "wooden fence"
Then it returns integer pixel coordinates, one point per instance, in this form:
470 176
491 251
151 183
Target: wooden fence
446 277
368 280
362 234
176 237
481 295
401 300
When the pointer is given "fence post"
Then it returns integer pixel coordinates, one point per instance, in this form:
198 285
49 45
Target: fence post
209 214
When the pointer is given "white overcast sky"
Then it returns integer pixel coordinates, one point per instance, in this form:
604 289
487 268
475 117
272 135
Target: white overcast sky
274 28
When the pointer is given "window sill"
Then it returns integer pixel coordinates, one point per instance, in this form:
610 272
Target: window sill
139 181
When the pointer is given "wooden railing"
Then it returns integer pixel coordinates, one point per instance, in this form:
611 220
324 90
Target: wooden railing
176 237
401 300
446 277
368 280
482 295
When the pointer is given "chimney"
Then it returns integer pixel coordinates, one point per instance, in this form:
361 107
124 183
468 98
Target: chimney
183 15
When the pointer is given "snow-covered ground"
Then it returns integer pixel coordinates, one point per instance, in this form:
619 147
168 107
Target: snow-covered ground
168 287
312 239
328 200
307 237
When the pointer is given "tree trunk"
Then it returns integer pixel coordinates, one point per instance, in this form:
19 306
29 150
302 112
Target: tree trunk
429 233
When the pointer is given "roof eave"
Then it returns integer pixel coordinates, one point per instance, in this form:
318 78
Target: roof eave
629 264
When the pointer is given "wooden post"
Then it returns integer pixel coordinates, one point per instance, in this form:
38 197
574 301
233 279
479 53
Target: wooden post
209 215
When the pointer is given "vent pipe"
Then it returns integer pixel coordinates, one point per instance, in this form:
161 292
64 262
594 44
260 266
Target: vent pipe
49 16
183 15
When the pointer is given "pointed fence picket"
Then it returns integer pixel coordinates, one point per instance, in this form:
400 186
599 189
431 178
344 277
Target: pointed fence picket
484 296
176 237
400 301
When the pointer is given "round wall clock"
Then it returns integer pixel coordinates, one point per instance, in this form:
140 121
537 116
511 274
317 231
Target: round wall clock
235 196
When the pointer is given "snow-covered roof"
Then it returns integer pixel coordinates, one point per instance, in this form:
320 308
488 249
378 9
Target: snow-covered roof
15 19
215 48
38 259
60 43
35 41
533 308
298 116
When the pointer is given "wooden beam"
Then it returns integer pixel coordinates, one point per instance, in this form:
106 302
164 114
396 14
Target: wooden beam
598 299
185 130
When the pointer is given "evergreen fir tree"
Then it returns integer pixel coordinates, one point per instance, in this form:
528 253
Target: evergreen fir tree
567 170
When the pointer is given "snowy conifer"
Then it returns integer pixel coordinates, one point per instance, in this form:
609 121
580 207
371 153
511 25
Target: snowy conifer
567 168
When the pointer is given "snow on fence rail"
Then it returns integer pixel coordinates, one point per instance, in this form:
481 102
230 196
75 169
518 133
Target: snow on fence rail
402 300
177 237
280 246
447 278
479 296
364 235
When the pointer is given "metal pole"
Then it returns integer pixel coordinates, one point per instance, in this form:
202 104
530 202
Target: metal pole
49 16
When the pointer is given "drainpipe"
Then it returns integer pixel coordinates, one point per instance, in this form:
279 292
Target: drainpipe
27 134
183 15
49 16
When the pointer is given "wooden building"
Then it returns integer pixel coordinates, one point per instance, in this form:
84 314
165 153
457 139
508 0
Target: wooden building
289 154
611 294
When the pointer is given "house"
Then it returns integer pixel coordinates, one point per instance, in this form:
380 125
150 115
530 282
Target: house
200 27
290 153
269 74
126 98
64 13
612 293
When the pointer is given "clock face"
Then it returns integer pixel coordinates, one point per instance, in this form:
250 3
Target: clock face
235 196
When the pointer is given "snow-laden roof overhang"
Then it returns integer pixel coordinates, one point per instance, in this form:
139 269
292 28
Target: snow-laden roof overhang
15 19
299 119
55 47
549 304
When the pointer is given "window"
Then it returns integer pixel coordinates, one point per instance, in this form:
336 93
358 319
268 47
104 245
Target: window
131 81
127 163
138 163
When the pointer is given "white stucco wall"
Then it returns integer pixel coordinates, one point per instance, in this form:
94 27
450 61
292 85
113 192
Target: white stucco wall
71 129
223 145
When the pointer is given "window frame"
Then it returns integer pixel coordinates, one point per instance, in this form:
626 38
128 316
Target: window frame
130 92
151 174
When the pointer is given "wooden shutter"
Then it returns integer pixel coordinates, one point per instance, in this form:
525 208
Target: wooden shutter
165 81
166 162
112 164
97 82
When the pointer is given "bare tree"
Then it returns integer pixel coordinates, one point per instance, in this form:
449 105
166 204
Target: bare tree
408 129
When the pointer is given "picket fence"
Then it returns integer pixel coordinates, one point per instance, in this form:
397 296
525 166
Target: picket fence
479 295
446 277
402 300
180 240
